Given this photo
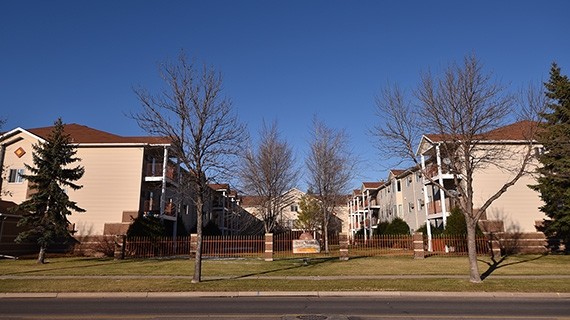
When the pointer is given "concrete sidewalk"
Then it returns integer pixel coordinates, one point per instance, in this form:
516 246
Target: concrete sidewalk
237 294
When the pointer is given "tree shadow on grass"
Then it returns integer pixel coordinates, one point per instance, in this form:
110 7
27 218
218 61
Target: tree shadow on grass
303 262
498 264
97 263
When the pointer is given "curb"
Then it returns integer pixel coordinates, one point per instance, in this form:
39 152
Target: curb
315 294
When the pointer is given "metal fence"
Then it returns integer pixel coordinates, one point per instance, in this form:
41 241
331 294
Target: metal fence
454 245
381 245
253 246
151 247
233 246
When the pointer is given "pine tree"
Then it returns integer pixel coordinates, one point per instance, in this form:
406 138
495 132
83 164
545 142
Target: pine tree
45 219
554 181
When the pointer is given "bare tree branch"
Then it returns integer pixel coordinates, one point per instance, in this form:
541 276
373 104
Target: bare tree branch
205 133
268 172
463 109
330 168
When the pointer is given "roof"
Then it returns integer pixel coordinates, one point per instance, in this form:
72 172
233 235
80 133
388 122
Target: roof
515 132
219 186
84 134
250 201
520 130
372 185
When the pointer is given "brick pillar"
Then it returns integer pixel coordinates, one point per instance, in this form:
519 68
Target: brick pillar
343 242
418 239
268 254
120 244
193 245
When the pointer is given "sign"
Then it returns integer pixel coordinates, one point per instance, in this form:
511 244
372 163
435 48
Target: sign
306 246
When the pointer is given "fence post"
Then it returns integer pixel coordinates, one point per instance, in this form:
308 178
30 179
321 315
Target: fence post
343 244
193 245
418 239
268 254
120 244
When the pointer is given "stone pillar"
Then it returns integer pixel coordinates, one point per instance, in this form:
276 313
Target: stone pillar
418 240
193 245
343 242
120 244
268 254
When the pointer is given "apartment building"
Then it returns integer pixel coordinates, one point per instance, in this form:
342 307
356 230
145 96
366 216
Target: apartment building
125 177
228 214
516 211
290 210
416 199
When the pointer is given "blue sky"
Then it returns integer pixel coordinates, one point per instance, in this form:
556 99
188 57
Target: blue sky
284 60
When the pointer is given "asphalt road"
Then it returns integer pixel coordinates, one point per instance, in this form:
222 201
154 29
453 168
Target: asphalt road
287 308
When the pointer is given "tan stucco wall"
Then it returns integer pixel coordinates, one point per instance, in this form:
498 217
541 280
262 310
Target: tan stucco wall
518 207
16 192
111 185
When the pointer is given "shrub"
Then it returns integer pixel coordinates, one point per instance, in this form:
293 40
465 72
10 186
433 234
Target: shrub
381 227
456 224
434 230
146 226
397 227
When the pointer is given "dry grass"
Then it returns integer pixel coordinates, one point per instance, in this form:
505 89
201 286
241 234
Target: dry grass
19 274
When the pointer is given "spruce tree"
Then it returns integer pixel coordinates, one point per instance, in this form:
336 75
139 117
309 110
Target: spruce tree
554 180
45 218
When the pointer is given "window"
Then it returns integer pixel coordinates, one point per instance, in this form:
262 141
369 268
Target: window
16 176
399 185
410 207
294 208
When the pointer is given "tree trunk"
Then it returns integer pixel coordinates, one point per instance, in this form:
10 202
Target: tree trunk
42 255
199 222
474 275
326 230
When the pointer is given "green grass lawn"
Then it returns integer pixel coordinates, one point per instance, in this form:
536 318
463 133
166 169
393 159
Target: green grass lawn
19 272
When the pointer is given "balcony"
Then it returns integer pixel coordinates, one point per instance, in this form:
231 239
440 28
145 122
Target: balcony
153 208
434 208
153 172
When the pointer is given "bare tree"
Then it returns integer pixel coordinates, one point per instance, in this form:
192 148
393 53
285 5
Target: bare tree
268 172
330 167
463 109
205 132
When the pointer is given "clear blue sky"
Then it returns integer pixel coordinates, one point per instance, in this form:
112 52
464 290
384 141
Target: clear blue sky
284 60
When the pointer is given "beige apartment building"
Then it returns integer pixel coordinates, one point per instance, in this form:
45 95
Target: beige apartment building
290 210
517 210
416 199
125 177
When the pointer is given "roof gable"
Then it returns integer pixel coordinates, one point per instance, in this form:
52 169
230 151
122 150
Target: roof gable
84 134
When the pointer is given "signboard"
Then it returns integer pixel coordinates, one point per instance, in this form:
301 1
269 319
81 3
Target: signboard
306 246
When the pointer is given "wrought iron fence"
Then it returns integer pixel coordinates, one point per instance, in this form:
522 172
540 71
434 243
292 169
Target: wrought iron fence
454 245
381 245
233 246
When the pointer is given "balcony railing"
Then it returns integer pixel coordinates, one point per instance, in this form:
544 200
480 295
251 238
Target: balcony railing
155 170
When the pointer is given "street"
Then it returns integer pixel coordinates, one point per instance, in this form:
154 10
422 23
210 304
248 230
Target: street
287 308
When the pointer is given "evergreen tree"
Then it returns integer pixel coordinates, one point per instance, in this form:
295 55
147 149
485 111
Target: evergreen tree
554 181
46 211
